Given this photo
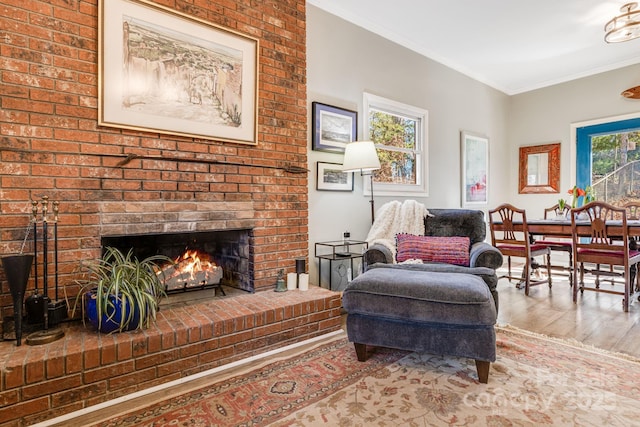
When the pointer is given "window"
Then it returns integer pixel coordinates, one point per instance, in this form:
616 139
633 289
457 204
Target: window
608 159
399 133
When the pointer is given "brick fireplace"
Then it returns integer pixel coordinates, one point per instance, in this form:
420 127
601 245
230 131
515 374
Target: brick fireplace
113 181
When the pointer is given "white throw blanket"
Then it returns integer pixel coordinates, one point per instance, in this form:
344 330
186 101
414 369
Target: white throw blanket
395 217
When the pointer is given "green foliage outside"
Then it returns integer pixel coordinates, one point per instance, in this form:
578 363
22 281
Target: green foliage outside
398 136
609 154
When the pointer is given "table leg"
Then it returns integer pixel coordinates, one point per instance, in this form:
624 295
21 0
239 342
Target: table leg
330 275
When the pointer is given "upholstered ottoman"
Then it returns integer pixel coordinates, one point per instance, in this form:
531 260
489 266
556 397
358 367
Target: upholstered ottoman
449 314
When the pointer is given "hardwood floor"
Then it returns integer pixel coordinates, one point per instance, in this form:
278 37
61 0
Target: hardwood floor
596 319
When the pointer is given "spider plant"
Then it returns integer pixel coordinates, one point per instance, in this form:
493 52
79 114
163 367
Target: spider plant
126 291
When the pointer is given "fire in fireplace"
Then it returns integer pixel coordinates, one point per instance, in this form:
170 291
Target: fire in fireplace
220 257
193 269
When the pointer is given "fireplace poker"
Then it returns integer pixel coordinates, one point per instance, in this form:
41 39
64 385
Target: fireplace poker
34 211
35 302
55 243
45 259
57 307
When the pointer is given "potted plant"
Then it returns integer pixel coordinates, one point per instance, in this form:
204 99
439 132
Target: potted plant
121 292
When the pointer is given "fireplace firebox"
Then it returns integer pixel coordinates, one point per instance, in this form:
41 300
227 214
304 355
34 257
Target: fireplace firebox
228 251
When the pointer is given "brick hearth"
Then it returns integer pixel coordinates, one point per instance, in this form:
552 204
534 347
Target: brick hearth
85 368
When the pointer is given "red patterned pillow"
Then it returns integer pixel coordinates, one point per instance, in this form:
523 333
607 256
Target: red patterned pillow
449 250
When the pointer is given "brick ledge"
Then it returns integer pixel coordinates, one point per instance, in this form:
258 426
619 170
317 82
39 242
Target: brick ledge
85 368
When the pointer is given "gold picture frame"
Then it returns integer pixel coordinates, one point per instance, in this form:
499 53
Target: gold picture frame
163 71
539 169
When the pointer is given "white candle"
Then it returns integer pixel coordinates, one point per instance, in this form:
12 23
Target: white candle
304 281
291 281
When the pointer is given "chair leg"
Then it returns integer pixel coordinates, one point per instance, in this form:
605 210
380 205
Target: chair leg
361 351
574 273
549 269
571 268
482 367
627 290
527 276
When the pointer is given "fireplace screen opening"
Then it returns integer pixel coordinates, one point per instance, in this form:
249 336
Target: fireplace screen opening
193 269
202 260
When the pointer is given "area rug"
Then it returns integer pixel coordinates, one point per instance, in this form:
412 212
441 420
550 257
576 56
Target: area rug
536 380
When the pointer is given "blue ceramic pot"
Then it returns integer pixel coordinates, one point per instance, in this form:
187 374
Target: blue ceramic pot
112 318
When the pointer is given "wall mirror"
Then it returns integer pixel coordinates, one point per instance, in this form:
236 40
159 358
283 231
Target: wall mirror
539 169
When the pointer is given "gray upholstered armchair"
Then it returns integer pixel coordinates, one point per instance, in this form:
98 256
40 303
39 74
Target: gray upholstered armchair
430 307
484 259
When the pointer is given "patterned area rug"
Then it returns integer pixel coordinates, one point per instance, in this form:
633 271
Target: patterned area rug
535 381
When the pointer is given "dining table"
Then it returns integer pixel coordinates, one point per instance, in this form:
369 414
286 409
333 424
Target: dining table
561 227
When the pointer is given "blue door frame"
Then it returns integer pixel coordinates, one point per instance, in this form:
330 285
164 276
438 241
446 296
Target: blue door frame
583 145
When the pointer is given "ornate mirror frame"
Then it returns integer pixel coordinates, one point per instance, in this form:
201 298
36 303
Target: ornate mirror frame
553 160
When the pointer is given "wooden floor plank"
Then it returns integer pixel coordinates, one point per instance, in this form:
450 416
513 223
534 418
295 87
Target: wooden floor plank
595 319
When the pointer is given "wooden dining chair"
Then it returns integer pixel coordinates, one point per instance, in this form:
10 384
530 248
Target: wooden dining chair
510 234
633 210
596 244
633 214
558 244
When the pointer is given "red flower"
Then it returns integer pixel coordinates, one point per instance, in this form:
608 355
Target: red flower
579 192
576 192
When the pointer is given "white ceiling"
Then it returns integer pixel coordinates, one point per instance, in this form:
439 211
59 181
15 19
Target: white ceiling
512 45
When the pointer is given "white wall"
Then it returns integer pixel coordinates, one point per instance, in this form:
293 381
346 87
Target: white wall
343 61
547 115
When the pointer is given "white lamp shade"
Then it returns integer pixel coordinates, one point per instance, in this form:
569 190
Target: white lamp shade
360 156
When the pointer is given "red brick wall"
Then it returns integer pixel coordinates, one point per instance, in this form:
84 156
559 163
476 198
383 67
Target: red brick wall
51 143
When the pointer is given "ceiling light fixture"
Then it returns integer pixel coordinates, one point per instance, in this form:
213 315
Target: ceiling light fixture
624 27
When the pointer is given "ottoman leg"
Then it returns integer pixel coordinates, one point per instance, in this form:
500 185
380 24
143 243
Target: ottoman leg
361 351
483 370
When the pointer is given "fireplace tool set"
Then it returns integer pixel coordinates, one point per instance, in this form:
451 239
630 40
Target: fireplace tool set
40 309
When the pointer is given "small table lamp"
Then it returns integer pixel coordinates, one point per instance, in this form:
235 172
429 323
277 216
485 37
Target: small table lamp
362 156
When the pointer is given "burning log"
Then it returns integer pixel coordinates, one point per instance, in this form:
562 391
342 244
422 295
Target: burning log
191 270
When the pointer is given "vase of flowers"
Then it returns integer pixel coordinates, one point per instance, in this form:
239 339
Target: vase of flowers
576 192
588 195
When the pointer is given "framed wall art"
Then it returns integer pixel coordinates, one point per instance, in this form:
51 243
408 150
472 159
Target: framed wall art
333 127
539 169
167 72
331 177
475 169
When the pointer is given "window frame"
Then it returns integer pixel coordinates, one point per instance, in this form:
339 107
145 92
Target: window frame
378 103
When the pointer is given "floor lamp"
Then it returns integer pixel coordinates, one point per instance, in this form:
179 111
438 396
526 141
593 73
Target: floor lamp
362 156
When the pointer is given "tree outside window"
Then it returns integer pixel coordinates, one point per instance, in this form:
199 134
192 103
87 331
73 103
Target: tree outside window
398 131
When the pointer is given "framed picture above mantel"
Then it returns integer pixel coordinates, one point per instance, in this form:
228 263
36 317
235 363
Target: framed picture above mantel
163 71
